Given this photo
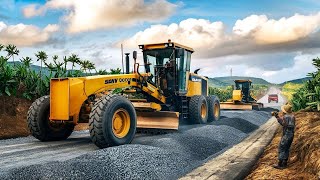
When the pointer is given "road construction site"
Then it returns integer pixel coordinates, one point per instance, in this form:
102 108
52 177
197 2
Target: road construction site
167 156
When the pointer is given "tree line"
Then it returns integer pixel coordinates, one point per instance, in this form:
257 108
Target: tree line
18 78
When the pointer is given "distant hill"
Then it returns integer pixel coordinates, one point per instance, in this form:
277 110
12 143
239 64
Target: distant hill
216 82
297 81
229 80
36 68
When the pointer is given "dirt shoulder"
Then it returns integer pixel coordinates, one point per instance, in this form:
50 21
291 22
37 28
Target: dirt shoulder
304 162
13 117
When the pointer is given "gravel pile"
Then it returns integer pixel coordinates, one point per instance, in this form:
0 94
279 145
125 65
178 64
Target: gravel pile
255 117
238 123
166 156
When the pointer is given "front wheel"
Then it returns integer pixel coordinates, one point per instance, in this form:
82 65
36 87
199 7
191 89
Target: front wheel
214 108
41 127
112 122
198 110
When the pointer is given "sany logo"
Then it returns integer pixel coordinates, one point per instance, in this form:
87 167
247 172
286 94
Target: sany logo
120 80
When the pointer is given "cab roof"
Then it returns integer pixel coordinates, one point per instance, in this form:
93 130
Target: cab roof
242 80
168 44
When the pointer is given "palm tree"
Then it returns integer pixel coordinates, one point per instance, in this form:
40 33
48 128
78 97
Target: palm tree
102 72
42 57
11 50
1 47
65 62
85 64
73 59
26 61
92 66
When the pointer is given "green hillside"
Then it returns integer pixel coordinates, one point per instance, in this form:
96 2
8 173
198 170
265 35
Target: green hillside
297 81
229 80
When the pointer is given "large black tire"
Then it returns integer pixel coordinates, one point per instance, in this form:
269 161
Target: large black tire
195 106
40 125
101 121
213 108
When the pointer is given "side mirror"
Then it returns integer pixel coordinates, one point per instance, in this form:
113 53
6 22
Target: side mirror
134 54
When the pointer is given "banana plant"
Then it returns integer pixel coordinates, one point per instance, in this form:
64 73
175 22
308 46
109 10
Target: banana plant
314 98
8 82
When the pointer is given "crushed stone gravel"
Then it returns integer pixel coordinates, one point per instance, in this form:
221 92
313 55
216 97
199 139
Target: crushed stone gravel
167 156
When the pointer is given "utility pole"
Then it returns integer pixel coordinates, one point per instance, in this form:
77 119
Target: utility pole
231 72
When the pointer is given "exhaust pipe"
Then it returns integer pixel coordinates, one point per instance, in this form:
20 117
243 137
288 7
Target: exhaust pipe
127 63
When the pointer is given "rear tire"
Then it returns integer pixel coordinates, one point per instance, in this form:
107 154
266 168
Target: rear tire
213 108
112 122
41 127
198 110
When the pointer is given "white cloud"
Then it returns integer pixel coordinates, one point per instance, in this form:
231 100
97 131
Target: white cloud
217 67
84 15
25 35
199 33
302 66
254 34
268 31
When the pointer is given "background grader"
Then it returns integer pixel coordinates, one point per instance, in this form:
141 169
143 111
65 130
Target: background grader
167 92
242 97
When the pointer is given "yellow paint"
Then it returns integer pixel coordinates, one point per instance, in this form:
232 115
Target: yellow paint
236 95
163 45
203 111
147 106
121 123
194 88
68 94
154 46
59 99
242 80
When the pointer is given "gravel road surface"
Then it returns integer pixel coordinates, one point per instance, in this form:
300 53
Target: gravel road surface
166 156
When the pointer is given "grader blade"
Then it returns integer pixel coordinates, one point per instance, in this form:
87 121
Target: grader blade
158 120
233 106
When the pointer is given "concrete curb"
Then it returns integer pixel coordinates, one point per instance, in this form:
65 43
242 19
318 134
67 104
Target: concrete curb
237 162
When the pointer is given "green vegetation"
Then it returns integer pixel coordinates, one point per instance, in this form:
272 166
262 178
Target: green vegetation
289 89
308 96
229 80
225 93
297 81
22 79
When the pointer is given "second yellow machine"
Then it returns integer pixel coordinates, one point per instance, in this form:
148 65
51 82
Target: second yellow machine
157 98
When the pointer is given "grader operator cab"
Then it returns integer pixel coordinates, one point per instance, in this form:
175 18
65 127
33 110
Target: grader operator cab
167 92
242 97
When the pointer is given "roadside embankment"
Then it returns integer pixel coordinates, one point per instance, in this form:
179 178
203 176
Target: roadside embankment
304 162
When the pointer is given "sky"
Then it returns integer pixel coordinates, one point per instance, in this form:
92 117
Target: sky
272 39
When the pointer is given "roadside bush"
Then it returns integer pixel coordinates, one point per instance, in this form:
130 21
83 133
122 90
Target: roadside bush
289 89
308 96
223 93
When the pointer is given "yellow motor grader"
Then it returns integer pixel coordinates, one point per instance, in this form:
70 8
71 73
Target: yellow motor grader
242 97
167 91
